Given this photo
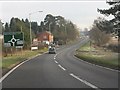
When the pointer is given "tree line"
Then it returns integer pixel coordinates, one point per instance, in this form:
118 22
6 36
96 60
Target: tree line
62 29
103 29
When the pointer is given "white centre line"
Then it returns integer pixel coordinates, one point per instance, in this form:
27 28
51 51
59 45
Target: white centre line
61 67
56 61
87 83
55 55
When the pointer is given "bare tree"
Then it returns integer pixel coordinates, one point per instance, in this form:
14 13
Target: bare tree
100 38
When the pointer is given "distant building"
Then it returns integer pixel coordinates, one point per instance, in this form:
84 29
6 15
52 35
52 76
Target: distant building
45 37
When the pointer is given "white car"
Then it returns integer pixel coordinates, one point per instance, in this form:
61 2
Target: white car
52 50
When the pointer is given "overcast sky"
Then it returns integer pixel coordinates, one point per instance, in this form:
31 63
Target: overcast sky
81 13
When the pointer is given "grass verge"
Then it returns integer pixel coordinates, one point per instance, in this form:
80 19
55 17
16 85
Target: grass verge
98 56
11 61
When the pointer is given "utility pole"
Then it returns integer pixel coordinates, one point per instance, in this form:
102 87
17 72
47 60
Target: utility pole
30 27
50 27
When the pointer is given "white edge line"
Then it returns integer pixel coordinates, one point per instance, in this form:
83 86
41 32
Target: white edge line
61 67
9 72
98 65
85 82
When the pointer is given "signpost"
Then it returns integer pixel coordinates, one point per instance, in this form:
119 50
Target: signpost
13 39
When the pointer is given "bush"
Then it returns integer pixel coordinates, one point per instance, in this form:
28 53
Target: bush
112 47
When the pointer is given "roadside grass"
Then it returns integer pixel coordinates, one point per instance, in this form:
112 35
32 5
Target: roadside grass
98 56
10 61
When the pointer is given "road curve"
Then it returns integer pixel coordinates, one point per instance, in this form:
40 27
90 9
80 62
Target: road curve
61 70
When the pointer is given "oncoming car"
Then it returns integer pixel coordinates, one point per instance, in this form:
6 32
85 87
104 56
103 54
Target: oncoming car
52 50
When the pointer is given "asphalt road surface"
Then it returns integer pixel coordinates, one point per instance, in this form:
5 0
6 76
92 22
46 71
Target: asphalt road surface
61 70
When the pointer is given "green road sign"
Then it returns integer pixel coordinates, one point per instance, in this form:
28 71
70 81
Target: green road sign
12 39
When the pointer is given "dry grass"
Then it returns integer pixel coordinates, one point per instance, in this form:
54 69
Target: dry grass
98 56
10 61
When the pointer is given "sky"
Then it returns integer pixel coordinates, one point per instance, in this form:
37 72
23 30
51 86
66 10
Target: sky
81 13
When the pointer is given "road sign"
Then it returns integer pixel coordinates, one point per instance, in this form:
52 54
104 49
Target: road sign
12 39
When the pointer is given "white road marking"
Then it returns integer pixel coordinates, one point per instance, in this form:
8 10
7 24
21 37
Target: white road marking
61 67
11 71
87 83
55 55
56 62
7 74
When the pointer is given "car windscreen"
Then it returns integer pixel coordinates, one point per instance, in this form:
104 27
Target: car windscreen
51 49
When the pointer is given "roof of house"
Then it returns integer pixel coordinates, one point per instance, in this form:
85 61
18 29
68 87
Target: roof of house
45 32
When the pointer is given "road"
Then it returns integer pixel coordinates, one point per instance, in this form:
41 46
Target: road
61 70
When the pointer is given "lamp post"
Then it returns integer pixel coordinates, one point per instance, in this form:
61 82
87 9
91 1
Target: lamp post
30 26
